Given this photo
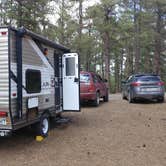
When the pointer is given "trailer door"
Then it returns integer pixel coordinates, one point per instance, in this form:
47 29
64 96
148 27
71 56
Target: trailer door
71 85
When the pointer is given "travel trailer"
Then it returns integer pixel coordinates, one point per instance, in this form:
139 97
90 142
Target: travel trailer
39 79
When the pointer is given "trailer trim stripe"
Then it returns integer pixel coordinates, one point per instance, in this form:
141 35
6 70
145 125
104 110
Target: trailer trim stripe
9 36
19 73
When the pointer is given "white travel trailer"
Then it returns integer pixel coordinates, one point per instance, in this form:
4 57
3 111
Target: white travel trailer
39 79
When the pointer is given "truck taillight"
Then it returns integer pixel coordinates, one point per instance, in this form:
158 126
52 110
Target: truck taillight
91 88
3 114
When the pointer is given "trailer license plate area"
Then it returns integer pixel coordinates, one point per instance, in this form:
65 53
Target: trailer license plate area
2 121
2 133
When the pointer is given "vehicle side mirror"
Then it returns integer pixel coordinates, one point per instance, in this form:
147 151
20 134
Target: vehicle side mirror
123 82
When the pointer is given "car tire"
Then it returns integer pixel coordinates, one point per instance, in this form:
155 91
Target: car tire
161 100
97 100
43 126
106 97
130 99
123 96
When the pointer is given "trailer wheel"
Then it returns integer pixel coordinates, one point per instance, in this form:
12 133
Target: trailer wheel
43 126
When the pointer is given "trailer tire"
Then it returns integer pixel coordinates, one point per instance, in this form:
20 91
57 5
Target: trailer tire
43 126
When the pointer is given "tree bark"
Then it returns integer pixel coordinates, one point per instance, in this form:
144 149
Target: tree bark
62 40
157 58
117 69
80 19
106 42
136 35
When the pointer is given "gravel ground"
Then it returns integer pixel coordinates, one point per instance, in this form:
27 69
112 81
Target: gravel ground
114 134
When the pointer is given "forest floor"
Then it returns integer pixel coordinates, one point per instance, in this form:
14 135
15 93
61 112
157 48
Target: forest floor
114 134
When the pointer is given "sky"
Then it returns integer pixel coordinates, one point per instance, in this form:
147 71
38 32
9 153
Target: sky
90 2
87 3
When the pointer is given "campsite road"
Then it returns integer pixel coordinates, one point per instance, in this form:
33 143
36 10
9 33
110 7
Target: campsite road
114 134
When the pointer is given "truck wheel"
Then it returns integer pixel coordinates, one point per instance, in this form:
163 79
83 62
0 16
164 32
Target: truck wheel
42 127
106 98
97 100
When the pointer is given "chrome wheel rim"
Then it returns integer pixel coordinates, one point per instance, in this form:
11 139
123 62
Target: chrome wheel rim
98 99
45 126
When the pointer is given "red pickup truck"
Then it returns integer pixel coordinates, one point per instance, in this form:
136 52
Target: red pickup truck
93 87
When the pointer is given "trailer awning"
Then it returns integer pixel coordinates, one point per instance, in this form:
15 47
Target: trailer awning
42 39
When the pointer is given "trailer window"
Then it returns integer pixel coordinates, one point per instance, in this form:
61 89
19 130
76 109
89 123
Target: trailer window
70 66
33 81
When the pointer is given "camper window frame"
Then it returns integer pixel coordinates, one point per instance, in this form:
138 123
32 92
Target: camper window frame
26 80
70 66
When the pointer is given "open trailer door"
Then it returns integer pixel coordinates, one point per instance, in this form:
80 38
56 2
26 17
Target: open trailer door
71 84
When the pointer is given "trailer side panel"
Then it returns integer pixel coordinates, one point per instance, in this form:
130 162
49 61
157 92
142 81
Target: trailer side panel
5 122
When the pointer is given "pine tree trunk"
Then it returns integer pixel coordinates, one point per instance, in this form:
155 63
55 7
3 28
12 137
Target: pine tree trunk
157 59
137 31
129 67
20 13
106 42
83 60
80 19
62 38
117 66
136 35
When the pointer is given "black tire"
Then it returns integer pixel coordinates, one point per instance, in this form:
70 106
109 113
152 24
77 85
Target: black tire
130 99
42 127
96 102
106 98
161 100
123 96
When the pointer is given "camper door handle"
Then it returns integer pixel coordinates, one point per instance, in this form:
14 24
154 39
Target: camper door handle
76 79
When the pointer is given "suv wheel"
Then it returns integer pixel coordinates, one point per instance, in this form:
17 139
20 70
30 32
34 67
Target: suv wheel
161 100
123 96
130 99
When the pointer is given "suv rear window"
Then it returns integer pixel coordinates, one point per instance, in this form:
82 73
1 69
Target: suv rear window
84 78
148 78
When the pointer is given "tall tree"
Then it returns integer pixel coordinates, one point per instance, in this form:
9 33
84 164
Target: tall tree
137 26
160 13
28 13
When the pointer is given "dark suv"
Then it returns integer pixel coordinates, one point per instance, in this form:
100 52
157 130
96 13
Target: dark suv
143 86
93 87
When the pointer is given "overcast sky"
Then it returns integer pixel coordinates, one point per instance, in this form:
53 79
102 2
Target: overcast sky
91 2
86 3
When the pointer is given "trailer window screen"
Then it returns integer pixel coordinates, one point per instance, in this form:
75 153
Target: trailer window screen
70 66
33 81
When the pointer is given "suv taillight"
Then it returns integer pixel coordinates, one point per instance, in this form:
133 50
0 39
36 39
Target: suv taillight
160 83
135 84
91 87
